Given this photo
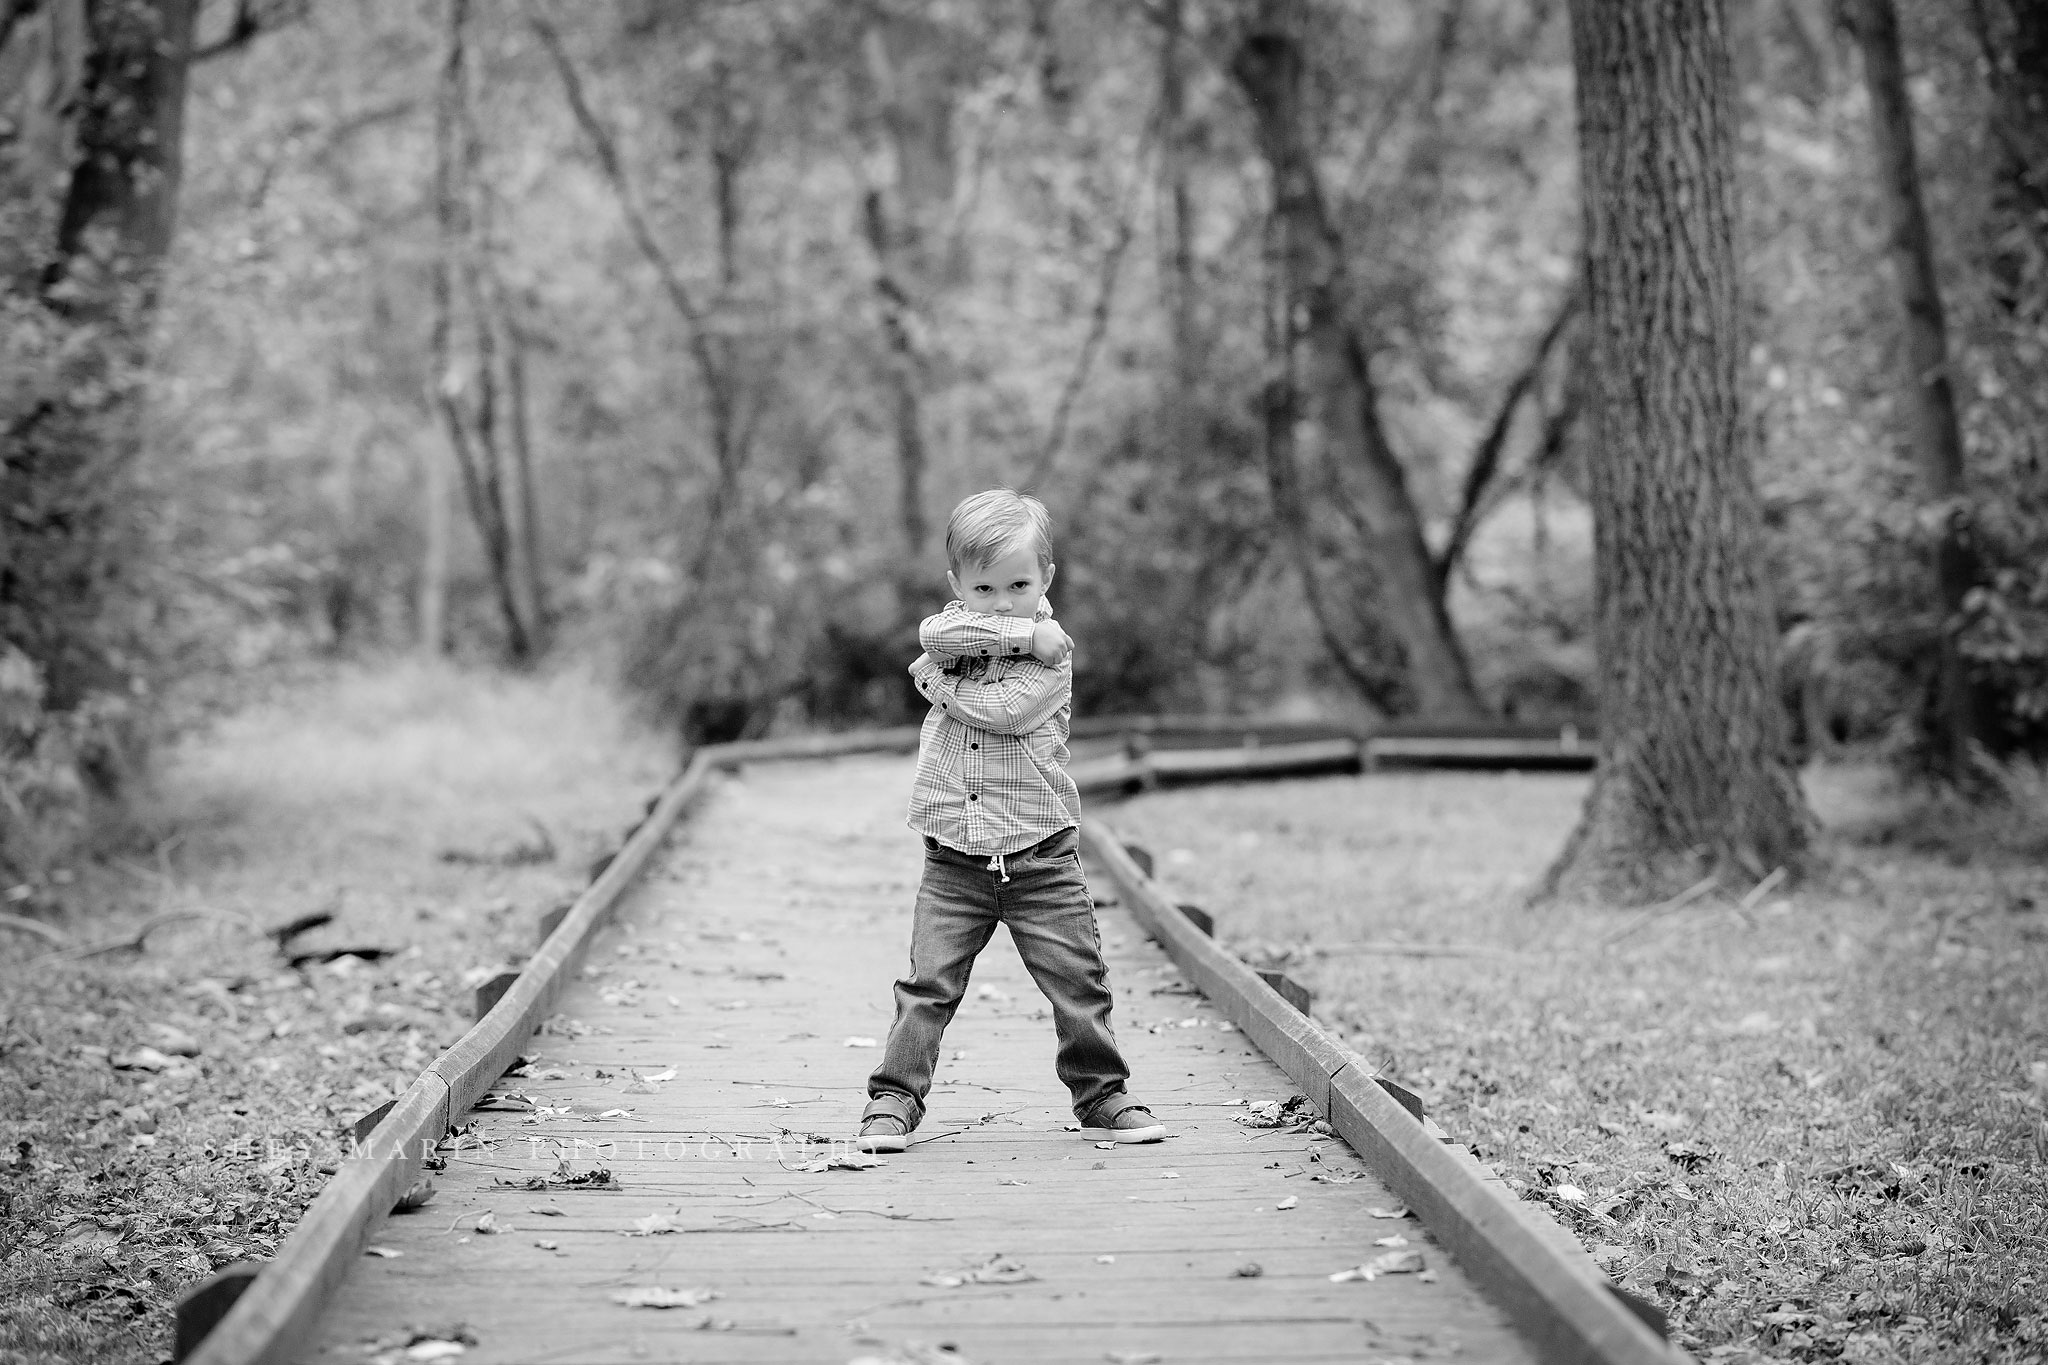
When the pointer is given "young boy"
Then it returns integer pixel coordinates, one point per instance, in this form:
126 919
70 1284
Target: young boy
1001 824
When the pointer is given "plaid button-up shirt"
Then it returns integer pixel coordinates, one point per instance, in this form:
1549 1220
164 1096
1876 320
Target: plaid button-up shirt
992 758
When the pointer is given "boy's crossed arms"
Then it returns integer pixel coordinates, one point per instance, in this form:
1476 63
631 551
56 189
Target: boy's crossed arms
1007 701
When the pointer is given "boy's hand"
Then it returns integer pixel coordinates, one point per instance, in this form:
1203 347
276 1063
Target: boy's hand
1050 644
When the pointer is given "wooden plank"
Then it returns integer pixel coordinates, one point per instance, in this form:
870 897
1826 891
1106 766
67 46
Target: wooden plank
315 1258
1481 751
272 1318
1555 1292
1263 760
1303 1051
814 869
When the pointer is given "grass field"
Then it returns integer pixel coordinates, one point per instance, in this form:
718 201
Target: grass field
1809 1125
409 803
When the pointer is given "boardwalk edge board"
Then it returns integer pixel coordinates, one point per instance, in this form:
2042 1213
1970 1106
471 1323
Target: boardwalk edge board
1535 1270
275 1305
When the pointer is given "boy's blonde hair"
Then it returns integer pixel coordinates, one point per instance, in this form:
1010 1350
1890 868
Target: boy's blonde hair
987 526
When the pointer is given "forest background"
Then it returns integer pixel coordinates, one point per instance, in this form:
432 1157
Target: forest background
665 334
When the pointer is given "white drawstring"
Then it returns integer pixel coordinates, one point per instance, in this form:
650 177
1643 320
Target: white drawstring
995 864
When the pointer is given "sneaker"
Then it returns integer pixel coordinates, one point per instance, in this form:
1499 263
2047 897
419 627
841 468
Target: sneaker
884 1133
1134 1124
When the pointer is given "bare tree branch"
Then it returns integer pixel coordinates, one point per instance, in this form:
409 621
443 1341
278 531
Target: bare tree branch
731 436
1098 322
252 19
1486 458
608 161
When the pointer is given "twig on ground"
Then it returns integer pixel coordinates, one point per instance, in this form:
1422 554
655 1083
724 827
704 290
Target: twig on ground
36 927
134 942
1761 889
1677 902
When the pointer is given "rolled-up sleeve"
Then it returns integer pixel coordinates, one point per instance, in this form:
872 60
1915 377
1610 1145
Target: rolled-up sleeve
1014 702
957 633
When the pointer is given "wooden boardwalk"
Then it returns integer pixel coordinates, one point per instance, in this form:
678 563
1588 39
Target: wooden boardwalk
738 975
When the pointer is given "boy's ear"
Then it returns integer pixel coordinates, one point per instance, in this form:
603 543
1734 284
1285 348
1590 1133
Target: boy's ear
953 582
1049 570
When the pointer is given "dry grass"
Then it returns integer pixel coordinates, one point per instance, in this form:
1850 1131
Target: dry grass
118 1187
1810 1127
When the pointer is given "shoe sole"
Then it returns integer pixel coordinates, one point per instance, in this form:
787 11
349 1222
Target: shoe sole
886 1142
1152 1133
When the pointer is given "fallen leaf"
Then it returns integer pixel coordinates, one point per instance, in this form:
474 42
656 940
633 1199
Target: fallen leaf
1105 1260
1289 1202
1391 1240
1106 1146
173 1040
435 1350
858 1042
1398 1211
849 1161
1406 1262
656 1076
653 1225
1250 1270
487 1223
389 1253
655 1296
997 1269
1690 1155
1169 1175
1571 1194
546 1243
548 1213
142 1058
416 1194
1011 1180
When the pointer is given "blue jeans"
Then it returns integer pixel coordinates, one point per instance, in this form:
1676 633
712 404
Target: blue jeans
1052 921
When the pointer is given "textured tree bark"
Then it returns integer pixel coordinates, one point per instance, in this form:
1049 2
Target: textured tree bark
913 109
92 96
123 201
465 388
2015 40
1387 569
1695 773
1957 720
1179 269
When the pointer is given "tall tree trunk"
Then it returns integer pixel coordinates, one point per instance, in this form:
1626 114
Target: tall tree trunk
1958 719
1179 200
465 386
914 113
528 550
1386 561
91 125
123 201
904 368
437 524
1695 772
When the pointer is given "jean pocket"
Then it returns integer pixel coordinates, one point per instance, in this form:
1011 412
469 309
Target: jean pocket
931 846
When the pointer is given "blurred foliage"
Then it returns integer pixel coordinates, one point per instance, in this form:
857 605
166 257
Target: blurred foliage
720 485
1855 537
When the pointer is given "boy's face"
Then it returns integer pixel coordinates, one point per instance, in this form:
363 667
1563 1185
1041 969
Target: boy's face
1010 585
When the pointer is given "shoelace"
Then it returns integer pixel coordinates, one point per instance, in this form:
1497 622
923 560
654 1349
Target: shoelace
995 864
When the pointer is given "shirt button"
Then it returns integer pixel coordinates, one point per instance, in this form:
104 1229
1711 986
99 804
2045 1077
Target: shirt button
973 797
974 746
